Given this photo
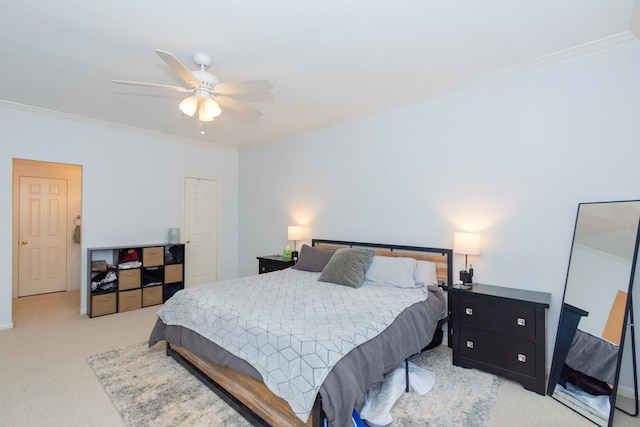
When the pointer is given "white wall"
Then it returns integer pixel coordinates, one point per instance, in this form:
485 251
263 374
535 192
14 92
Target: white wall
132 185
510 159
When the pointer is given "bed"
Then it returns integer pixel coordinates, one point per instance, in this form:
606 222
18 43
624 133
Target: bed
303 387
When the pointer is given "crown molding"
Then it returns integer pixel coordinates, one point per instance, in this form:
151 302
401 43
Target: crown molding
592 48
634 26
102 123
605 44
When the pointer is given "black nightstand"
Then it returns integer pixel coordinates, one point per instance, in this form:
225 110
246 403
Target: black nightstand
500 330
269 263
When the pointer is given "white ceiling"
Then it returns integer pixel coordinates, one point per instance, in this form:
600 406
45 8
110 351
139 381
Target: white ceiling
329 61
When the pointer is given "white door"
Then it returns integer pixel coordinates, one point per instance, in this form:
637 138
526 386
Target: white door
42 262
201 231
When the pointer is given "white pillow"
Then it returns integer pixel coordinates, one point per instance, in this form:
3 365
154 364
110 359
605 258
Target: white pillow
426 273
396 271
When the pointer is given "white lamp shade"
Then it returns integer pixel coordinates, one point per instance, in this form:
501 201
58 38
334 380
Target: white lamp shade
203 116
466 243
209 109
294 232
189 105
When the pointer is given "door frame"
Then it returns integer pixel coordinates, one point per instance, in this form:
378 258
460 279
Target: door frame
73 175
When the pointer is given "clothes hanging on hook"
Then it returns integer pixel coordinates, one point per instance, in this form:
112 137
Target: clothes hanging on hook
77 230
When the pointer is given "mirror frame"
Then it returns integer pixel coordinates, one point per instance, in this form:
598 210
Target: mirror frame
570 317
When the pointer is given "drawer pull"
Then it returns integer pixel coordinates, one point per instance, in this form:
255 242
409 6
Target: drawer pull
468 311
522 357
470 345
521 322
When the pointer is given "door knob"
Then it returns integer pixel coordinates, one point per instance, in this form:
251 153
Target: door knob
188 241
24 242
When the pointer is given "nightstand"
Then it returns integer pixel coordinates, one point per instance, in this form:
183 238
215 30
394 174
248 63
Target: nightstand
501 331
269 263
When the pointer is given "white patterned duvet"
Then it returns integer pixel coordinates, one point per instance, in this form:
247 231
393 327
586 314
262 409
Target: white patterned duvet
290 327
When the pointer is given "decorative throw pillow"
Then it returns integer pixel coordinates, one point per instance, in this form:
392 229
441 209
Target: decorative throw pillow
395 271
313 259
426 273
347 267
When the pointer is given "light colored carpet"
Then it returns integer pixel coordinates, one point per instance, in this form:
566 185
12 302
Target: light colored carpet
43 360
150 389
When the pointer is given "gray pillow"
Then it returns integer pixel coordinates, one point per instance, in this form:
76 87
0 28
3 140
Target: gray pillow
347 267
313 259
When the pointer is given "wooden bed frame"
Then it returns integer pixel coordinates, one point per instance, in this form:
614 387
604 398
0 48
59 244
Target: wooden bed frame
250 397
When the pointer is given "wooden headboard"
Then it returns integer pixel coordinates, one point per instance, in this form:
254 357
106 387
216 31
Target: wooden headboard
442 257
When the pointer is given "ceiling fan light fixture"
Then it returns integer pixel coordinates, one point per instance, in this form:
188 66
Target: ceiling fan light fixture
203 117
204 87
189 105
211 108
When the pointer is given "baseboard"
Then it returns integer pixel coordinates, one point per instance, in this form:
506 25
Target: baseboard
6 326
626 392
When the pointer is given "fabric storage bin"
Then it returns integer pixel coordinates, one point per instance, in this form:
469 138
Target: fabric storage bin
151 296
173 273
129 300
103 304
153 256
129 279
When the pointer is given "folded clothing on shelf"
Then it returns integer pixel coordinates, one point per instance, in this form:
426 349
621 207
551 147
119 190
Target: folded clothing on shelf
104 281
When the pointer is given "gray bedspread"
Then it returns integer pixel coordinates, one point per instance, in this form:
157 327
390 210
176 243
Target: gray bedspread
593 356
345 386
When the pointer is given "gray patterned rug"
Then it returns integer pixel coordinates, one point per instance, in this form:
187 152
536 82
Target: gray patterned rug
149 388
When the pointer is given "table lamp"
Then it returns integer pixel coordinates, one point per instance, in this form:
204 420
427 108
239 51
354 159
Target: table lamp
467 244
294 232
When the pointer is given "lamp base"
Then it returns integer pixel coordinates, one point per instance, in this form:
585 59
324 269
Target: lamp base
466 276
294 256
465 286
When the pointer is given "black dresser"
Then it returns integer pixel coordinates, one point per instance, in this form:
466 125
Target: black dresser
500 330
269 263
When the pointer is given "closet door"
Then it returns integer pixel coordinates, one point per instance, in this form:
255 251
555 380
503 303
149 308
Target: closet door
43 236
201 218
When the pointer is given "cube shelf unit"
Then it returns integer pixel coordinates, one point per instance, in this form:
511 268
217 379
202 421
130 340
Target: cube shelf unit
153 279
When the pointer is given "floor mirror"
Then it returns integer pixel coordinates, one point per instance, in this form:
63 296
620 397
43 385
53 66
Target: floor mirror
597 312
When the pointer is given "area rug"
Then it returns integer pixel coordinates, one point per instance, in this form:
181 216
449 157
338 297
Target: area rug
149 388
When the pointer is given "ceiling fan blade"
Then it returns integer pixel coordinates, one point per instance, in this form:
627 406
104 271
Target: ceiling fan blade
153 85
242 87
237 106
179 68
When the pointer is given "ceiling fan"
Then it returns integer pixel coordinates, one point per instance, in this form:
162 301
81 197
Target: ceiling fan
208 94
